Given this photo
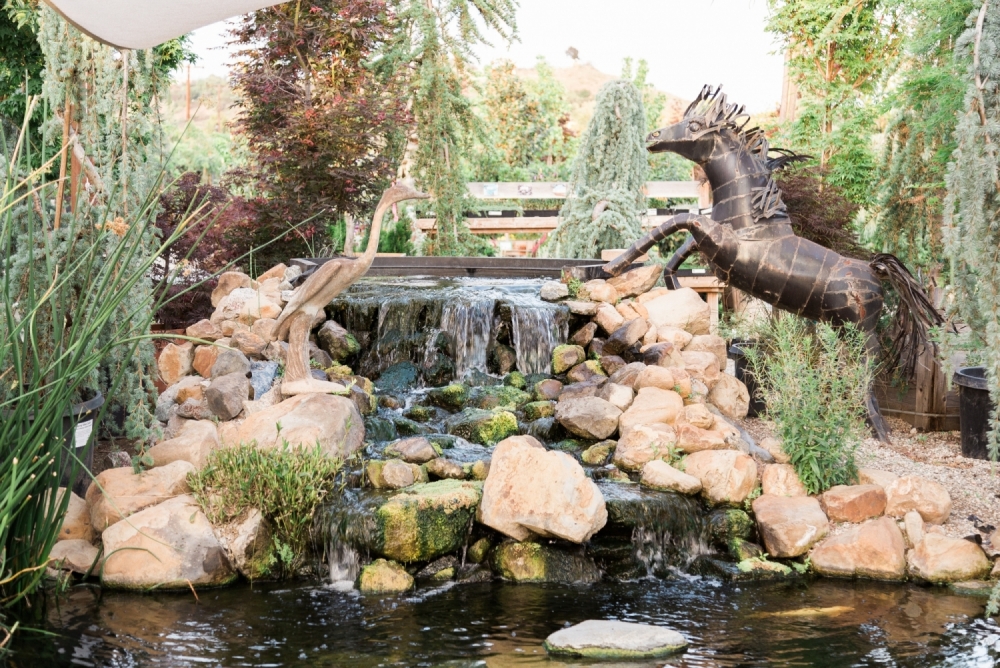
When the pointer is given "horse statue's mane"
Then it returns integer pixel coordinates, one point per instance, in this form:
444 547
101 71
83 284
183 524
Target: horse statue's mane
712 109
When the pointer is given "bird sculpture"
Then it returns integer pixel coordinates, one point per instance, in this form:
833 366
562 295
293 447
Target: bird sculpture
328 281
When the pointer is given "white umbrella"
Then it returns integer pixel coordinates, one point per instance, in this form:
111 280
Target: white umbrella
142 24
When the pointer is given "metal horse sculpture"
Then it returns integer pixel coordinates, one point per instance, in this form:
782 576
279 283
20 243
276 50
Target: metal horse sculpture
750 244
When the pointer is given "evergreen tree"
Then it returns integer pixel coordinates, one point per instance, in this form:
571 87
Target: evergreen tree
606 198
972 206
665 166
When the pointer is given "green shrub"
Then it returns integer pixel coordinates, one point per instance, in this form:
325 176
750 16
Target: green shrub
286 485
814 381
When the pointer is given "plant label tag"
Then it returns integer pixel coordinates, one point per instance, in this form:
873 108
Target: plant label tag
83 431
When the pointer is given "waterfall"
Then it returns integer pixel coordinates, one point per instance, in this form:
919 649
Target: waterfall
537 328
469 322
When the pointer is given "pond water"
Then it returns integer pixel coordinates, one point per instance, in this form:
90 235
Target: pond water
819 623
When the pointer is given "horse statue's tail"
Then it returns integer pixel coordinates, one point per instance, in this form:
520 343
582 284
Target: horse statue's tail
915 315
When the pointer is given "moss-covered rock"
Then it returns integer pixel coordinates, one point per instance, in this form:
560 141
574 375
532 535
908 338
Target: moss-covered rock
728 524
515 379
477 378
379 429
438 370
531 562
546 430
479 470
384 577
502 359
426 521
478 550
451 397
539 409
565 357
599 453
741 550
570 445
419 413
503 396
373 472
483 427
407 427
398 377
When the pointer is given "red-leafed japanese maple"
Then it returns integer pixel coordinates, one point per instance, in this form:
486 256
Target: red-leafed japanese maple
324 127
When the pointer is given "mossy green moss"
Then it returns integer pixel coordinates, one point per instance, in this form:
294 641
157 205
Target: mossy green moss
599 453
426 521
565 357
531 562
536 410
500 396
419 413
726 524
451 397
384 577
515 379
483 427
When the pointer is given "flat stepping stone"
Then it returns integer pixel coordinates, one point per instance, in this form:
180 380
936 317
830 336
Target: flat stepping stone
606 639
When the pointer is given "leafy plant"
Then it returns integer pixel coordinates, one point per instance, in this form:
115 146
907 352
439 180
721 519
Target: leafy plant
814 379
285 484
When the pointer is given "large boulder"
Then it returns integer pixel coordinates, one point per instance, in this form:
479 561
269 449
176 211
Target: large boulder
939 558
660 475
874 550
614 640
167 546
337 341
426 521
927 497
194 444
531 491
789 525
637 281
305 420
643 443
727 476
588 417
384 577
853 503
876 477
650 406
481 426
566 357
248 544
75 555
121 492
226 394
176 361
76 523
730 396
684 309
531 562
782 480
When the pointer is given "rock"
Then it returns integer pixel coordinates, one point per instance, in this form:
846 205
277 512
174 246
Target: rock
226 394
76 522
119 493
204 359
585 371
607 639
416 450
728 524
75 555
194 444
438 369
662 354
482 427
582 390
517 380
547 390
581 307
248 544
875 477
167 546
773 448
650 406
703 367
584 335
710 343
636 281
229 281
730 396
683 309
553 291
276 351
277 271
332 422
205 330
695 439
641 444
265 328
445 469
398 377
531 562
229 361
191 391
425 521
532 491
588 417
649 338
625 336
502 359
539 409
782 480
396 474
873 550
853 503
698 416
618 396
248 343
628 374
452 397
660 475
262 377
566 357
913 524
940 558
175 362
655 376
789 525
245 305
678 337
727 476
384 577
230 327
611 363
599 453
598 290
608 318
927 497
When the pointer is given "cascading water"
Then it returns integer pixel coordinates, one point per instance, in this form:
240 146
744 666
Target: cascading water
537 328
469 323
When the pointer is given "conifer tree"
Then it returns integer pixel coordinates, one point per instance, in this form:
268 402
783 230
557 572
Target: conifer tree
972 206
606 196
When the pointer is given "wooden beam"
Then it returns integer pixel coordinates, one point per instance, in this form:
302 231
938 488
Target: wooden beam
560 190
521 225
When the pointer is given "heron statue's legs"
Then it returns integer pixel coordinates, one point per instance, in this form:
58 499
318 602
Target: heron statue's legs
298 379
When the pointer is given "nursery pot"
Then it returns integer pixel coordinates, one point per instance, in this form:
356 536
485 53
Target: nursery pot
974 410
79 427
737 353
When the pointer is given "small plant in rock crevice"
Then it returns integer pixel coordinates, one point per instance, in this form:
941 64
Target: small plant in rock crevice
814 381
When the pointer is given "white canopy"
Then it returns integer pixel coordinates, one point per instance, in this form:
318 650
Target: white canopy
142 24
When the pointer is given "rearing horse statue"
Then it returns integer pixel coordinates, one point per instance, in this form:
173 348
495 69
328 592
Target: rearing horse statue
750 245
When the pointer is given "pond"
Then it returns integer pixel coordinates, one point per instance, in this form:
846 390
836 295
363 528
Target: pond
818 623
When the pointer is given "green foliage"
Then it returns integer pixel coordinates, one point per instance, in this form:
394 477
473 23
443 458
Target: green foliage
814 382
285 484
972 206
395 237
610 169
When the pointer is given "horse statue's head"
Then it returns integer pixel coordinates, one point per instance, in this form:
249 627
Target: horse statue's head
693 137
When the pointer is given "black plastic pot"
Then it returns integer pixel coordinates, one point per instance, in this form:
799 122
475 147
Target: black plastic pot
737 353
974 410
80 435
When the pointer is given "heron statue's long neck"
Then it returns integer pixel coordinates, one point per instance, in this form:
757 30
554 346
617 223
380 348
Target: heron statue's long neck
376 230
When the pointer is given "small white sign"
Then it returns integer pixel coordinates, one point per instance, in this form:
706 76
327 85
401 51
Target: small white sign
83 432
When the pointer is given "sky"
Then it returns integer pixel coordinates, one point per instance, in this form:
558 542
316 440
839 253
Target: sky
687 43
